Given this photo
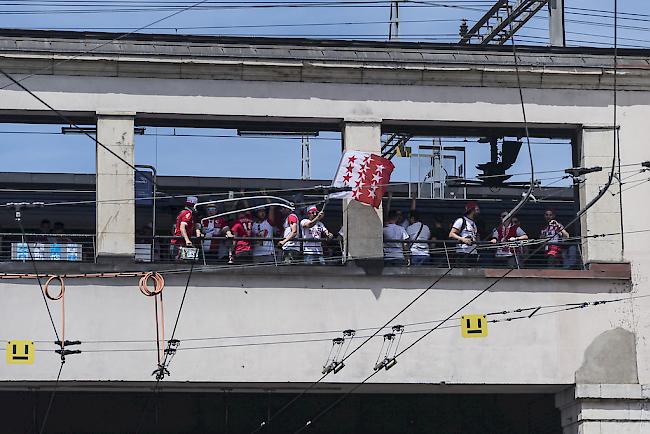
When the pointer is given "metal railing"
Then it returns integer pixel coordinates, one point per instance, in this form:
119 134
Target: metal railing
237 250
47 247
562 254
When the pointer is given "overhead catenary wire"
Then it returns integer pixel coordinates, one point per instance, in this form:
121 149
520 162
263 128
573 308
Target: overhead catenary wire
543 310
518 206
285 190
51 400
581 212
75 126
45 295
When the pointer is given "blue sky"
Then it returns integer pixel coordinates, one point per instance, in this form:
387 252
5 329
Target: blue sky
588 23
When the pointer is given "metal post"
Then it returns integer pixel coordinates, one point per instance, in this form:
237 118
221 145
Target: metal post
556 23
444 245
393 31
305 147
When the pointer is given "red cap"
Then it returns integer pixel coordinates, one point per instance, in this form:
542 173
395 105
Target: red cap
471 205
312 209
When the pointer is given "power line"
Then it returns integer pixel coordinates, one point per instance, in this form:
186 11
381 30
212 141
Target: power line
506 311
590 204
51 401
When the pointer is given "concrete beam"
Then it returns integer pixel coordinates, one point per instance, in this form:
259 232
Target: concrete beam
362 223
115 214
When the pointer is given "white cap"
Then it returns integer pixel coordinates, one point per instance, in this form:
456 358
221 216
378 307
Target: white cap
192 199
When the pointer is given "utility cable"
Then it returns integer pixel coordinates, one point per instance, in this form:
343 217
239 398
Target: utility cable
38 279
162 367
282 409
75 126
491 285
51 401
540 310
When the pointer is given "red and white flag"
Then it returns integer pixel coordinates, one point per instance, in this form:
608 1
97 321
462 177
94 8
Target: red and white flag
367 174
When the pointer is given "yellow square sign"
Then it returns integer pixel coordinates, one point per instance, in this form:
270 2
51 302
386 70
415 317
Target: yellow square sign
20 352
473 326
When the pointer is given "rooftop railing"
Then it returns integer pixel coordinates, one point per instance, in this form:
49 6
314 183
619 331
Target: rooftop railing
47 247
531 254
563 254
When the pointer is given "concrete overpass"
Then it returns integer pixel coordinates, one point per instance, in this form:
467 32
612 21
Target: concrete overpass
597 361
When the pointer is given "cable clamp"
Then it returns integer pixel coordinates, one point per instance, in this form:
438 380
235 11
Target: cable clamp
63 353
386 363
172 346
67 343
160 372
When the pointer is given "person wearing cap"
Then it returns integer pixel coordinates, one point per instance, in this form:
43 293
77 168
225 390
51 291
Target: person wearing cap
314 229
508 231
185 226
212 228
465 231
552 233
290 247
263 251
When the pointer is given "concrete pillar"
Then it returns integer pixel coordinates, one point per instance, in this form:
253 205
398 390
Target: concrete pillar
362 224
115 221
556 23
604 409
597 147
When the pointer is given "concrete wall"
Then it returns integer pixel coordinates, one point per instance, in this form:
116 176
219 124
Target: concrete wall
547 350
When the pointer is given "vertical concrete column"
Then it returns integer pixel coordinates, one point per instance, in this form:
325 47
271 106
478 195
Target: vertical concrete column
597 147
556 23
363 224
115 214
604 409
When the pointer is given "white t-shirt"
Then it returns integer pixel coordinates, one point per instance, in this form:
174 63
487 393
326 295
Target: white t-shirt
316 231
393 249
419 249
262 230
467 230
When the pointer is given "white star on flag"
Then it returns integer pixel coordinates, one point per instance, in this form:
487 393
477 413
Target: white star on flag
366 176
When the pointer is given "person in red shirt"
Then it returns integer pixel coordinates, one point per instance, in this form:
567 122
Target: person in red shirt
185 227
242 228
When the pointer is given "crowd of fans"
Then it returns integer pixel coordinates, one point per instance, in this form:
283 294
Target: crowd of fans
274 234
278 235
408 241
268 235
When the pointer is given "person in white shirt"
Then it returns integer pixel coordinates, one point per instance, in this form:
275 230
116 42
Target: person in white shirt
465 231
263 251
313 228
418 231
394 237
